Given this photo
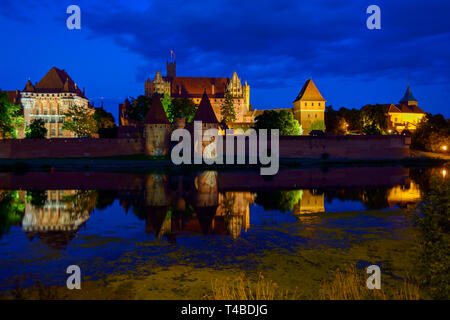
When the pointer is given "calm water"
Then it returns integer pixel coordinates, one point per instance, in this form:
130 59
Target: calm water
139 225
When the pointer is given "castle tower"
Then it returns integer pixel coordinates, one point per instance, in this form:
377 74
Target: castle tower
408 98
157 130
171 69
206 115
309 108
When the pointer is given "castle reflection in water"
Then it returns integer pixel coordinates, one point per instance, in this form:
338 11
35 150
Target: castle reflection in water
172 205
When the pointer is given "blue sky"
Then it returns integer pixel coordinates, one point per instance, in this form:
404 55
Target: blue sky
274 45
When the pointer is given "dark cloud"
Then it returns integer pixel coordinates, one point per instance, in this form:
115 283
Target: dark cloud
271 40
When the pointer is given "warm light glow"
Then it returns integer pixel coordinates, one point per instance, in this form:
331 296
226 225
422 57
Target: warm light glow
444 148
444 173
389 130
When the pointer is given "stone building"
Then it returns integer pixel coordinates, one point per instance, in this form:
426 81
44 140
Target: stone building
50 98
157 130
404 116
194 87
309 108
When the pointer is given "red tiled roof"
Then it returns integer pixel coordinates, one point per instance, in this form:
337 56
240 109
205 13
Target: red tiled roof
56 81
193 87
410 109
156 113
309 92
205 112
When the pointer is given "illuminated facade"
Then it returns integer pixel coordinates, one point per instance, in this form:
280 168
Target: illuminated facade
309 108
194 87
50 98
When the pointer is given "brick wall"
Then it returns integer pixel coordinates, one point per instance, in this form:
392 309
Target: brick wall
327 147
68 148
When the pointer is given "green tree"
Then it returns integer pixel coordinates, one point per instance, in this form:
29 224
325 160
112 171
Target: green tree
79 120
374 116
318 125
283 201
371 129
282 120
182 108
12 209
36 129
105 123
10 117
166 101
139 108
431 134
432 260
227 108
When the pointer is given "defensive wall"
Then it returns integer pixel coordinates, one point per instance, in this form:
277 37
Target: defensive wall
392 147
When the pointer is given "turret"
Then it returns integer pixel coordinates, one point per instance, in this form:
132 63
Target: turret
157 130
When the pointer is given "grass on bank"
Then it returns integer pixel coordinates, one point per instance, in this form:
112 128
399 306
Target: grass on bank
347 284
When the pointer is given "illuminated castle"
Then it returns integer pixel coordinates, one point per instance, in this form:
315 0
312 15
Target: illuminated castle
194 87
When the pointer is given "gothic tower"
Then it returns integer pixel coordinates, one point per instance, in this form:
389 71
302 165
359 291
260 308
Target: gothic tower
157 130
171 69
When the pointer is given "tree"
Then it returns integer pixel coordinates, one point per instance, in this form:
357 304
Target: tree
371 129
182 108
139 108
80 121
335 123
431 134
10 117
105 123
36 129
432 219
318 125
282 120
374 116
227 109
166 101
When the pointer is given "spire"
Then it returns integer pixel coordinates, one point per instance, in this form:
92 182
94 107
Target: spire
156 114
408 97
29 87
205 112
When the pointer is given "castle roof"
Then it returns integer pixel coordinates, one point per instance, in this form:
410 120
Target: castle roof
205 112
193 87
309 92
29 87
401 108
408 96
56 81
156 114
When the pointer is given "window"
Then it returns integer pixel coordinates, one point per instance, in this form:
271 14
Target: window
312 104
53 111
319 104
53 132
45 112
37 111
306 103
60 131
316 115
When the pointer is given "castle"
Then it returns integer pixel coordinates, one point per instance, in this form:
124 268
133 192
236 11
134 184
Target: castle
49 100
194 87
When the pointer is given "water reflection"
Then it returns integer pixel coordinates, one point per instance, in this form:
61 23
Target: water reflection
208 202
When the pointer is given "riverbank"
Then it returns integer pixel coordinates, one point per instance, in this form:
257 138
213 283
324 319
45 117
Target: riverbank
139 162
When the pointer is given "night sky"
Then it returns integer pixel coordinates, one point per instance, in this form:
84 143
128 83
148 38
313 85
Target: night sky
275 45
